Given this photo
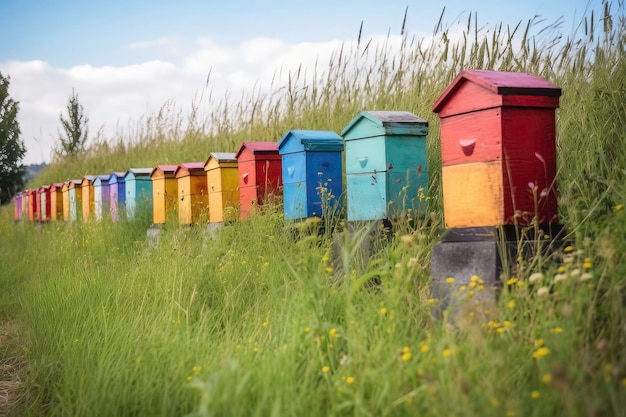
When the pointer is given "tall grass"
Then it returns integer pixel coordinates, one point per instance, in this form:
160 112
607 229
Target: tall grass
257 322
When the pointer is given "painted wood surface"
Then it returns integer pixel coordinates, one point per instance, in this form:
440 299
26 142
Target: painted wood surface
117 195
37 208
260 175
65 190
138 185
76 199
88 197
56 201
164 193
372 123
101 196
223 185
192 193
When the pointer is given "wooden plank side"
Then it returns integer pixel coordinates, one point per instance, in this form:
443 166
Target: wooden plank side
472 137
469 97
366 155
472 194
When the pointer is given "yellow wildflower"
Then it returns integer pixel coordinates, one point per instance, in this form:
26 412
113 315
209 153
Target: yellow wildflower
329 269
535 394
511 281
383 311
511 304
539 342
546 378
446 353
406 356
424 348
557 330
325 369
568 249
349 380
266 323
324 258
619 207
450 280
541 352
432 300
587 264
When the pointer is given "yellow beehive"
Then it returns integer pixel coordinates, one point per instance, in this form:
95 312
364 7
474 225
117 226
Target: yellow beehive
193 198
164 192
223 185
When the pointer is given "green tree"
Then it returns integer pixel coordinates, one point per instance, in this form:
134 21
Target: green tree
75 130
12 149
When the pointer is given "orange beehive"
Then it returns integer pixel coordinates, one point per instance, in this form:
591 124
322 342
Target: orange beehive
164 192
193 199
88 197
56 201
260 174
65 190
498 145
223 184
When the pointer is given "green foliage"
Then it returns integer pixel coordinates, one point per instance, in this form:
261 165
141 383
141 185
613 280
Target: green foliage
12 148
266 317
75 133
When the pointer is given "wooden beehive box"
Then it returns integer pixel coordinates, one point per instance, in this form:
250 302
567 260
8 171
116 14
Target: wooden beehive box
498 148
193 196
164 192
311 172
222 175
102 195
76 199
138 191
56 201
24 204
88 197
117 194
17 201
260 174
44 197
66 200
386 165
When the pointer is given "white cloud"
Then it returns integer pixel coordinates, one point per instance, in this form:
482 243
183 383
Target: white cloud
115 96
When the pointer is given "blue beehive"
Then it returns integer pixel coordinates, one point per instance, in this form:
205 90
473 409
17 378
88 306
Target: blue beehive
311 165
138 185
386 169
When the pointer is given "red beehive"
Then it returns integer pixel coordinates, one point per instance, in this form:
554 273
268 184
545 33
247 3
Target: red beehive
260 174
498 146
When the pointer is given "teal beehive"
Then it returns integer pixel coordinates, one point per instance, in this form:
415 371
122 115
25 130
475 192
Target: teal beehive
311 165
138 187
386 169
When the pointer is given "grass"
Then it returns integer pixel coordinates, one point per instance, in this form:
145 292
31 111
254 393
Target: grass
258 322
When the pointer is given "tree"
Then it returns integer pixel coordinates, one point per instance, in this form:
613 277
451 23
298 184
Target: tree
12 149
74 136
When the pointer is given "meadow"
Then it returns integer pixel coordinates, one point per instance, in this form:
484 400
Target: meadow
258 320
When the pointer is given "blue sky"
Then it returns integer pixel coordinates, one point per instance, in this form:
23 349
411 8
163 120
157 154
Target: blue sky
126 58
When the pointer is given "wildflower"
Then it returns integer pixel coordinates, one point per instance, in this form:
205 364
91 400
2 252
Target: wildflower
587 264
541 352
412 262
535 394
508 323
560 277
561 269
349 380
424 348
500 330
623 382
406 354
383 311
474 278
432 300
329 269
325 369
574 272
586 276
568 249
462 288
546 378
407 239
619 207
324 258
446 353
266 323
256 349
450 280
539 342
543 291
535 277
511 281
557 330
333 333
511 304
568 259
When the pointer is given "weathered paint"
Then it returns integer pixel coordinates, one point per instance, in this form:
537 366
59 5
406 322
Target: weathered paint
88 197
193 197
164 192
223 184
386 164
65 190
260 174
76 199
117 194
138 191
44 195
502 124
102 195
56 201
311 172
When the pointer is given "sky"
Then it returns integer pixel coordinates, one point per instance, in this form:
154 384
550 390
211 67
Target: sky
126 59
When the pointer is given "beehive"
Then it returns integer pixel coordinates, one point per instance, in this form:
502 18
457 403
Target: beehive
56 201
102 195
88 197
66 200
193 198
223 184
260 174
386 165
44 195
76 199
138 191
164 192
117 193
498 149
311 172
